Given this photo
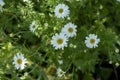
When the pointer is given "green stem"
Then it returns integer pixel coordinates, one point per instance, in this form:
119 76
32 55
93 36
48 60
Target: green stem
115 72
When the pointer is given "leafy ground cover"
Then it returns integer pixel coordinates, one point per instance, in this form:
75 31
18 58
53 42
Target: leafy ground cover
59 39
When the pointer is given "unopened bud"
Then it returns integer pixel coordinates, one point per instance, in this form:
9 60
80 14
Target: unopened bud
117 64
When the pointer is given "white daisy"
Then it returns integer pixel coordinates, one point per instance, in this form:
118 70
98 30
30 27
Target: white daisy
60 72
2 3
69 30
19 61
59 41
33 26
61 11
92 41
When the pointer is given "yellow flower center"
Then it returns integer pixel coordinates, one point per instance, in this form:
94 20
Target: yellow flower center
61 10
92 41
19 61
70 30
59 40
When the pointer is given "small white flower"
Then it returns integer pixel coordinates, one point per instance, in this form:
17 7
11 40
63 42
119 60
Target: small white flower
60 62
2 3
92 41
33 26
60 72
19 61
61 11
69 30
59 41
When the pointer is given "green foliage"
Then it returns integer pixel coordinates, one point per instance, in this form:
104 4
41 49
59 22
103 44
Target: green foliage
100 17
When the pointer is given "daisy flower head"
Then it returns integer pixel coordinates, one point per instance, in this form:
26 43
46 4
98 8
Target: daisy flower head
33 26
2 3
92 41
69 29
19 61
61 11
59 41
60 72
